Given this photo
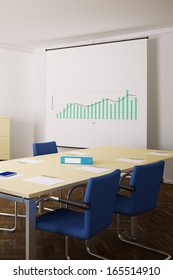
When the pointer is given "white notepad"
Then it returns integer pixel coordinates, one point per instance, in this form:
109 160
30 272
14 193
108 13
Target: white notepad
74 153
28 160
159 154
131 160
44 180
93 169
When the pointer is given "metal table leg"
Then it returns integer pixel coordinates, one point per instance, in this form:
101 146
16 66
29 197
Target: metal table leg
30 229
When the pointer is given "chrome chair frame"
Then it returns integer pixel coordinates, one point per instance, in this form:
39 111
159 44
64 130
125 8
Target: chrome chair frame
133 237
15 215
76 204
89 223
126 239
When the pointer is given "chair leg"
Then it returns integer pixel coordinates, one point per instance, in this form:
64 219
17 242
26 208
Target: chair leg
168 256
87 248
61 197
134 227
67 247
40 207
91 253
11 215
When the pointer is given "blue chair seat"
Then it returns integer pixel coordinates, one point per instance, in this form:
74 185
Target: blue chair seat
68 222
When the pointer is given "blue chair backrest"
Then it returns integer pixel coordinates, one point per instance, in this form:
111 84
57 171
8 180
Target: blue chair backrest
44 148
146 180
100 194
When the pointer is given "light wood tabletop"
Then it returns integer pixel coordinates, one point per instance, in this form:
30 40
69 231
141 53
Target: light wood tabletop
41 175
109 158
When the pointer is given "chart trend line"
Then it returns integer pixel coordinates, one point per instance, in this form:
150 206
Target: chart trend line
124 108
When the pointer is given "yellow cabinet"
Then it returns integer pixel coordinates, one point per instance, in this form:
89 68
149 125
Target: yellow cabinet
4 138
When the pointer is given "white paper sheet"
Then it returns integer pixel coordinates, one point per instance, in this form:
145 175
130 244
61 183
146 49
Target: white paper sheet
159 154
77 153
44 180
132 160
93 169
28 160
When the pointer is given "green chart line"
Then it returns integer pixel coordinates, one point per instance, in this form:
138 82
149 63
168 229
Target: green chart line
123 108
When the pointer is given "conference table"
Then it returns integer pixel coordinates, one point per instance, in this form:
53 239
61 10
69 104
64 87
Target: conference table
41 175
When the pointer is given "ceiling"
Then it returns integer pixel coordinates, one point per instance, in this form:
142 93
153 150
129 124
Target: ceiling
45 23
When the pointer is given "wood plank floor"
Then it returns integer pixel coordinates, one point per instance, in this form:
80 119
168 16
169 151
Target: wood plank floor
154 228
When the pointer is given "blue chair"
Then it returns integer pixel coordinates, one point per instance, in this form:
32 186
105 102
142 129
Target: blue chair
44 148
40 149
99 200
144 186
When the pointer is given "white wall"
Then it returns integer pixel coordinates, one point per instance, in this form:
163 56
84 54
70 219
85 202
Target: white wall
16 98
23 97
39 95
160 96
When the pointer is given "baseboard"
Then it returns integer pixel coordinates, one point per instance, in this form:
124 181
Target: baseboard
168 181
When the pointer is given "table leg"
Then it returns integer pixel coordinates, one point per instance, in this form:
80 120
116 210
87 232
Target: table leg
30 229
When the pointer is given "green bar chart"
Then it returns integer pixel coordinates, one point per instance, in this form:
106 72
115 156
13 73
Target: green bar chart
122 108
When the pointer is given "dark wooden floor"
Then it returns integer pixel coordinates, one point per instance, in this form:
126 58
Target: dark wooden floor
154 228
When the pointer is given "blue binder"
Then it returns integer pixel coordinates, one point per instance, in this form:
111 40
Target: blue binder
76 160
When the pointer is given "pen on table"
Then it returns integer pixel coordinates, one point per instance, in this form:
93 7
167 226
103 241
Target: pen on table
48 176
159 152
137 158
96 166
